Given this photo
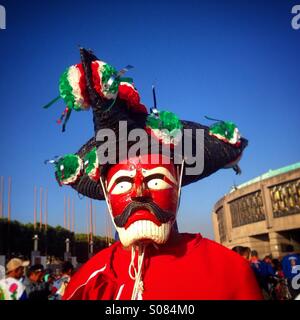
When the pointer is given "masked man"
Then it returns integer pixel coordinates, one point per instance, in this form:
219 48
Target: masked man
152 260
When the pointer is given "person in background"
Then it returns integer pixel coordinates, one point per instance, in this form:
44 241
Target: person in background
279 290
269 265
60 285
291 268
11 288
36 288
49 279
263 272
242 251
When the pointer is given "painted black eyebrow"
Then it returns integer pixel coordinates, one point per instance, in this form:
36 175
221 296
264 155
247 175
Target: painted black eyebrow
154 176
122 179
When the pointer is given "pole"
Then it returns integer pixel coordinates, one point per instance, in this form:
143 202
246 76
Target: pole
68 213
41 208
8 215
46 208
1 197
91 227
73 227
73 215
34 208
67 245
9 204
65 206
35 242
87 227
46 222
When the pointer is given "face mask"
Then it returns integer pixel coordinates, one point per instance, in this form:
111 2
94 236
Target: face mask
143 195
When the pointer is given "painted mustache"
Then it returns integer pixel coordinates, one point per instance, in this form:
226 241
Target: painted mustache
160 214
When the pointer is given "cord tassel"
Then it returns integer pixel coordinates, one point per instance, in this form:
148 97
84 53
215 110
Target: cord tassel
212 119
51 102
54 160
62 116
66 119
154 109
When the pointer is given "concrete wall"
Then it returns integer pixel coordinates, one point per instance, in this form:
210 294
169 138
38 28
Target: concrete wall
271 235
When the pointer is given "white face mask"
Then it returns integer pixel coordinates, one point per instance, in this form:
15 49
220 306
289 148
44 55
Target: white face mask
144 229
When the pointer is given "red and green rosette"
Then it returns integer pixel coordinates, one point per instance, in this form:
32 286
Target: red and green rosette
109 85
105 79
128 92
226 131
91 165
68 169
165 126
72 88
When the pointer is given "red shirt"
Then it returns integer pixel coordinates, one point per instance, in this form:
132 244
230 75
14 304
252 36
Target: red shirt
192 268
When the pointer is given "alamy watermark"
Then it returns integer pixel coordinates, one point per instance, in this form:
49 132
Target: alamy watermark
296 278
296 19
115 148
2 17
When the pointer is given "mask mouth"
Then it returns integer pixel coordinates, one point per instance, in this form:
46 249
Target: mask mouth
161 215
144 232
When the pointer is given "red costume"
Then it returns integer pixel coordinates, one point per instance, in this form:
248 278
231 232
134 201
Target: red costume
192 268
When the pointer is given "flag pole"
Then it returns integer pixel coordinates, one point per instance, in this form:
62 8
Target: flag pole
34 208
1 197
41 208
65 206
46 208
91 219
68 213
73 215
9 200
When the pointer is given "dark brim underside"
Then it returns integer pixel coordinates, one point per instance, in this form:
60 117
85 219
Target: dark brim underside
217 154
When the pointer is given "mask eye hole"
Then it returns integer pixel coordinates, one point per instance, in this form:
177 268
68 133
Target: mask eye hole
122 187
158 184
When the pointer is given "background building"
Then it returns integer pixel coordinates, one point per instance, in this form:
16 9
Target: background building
263 213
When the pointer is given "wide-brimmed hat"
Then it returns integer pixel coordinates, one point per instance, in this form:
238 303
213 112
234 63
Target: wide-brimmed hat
114 98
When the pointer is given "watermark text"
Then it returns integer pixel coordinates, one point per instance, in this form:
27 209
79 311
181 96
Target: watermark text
296 19
2 17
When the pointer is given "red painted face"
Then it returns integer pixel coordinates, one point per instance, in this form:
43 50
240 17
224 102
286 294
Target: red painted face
140 190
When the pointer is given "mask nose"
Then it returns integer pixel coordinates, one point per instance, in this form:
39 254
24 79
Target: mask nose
140 193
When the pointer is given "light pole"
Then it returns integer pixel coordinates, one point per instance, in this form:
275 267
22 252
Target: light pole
67 255
35 242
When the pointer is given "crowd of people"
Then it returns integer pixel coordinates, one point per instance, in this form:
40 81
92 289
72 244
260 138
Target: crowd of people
33 282
274 276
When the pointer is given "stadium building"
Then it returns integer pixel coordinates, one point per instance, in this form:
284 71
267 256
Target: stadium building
263 213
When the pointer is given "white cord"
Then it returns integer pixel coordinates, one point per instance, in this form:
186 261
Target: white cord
179 186
131 265
138 287
107 202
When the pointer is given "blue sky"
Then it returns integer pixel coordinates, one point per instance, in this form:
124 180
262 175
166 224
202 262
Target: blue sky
233 60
